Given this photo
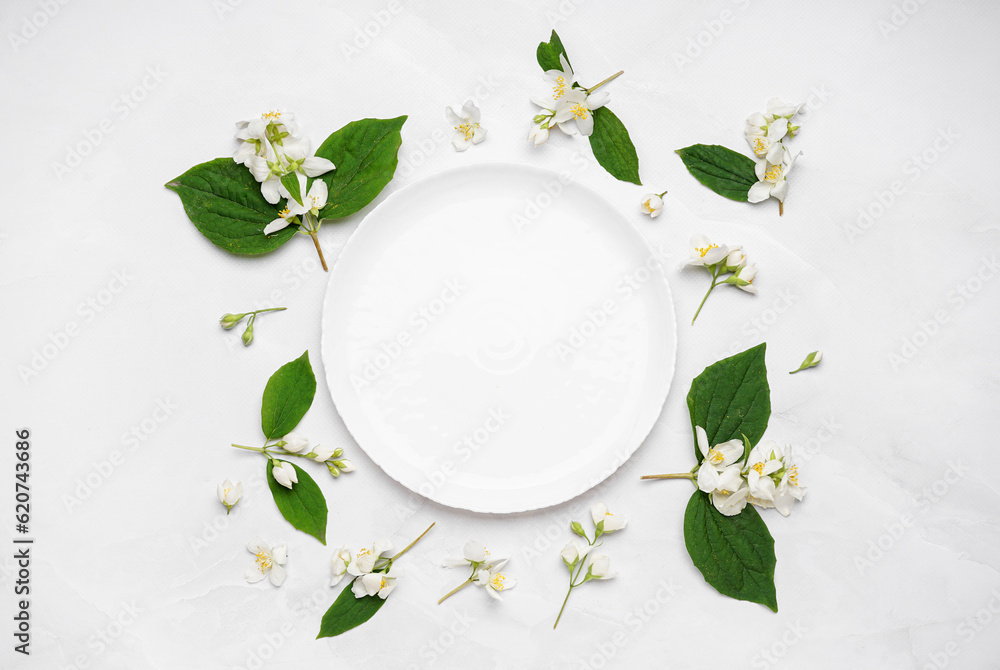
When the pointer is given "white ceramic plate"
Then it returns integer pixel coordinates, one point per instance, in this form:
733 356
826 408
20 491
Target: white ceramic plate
498 338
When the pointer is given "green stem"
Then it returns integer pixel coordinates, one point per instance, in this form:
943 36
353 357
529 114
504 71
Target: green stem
261 450
572 584
678 475
660 195
455 590
565 600
715 275
270 309
410 545
611 78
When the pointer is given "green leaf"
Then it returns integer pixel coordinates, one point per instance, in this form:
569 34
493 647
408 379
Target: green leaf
291 182
723 170
348 612
365 153
612 146
303 505
223 201
731 399
735 554
287 397
548 53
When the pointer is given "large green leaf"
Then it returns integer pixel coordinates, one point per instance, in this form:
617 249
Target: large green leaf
731 399
287 397
548 53
734 553
365 153
347 612
612 146
303 505
223 201
723 170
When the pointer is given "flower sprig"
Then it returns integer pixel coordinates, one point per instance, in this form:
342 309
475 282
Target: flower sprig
720 261
374 577
294 444
229 321
582 563
485 571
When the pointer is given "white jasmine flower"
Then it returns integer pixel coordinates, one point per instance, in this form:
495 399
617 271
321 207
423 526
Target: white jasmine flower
467 128
322 454
376 583
772 178
473 552
285 217
764 136
652 204
295 443
573 552
561 81
276 121
338 565
284 473
599 512
743 279
267 170
230 493
345 465
772 477
600 567
312 201
778 109
704 252
715 460
268 562
579 106
495 581
363 562
736 259
731 503
300 159
538 134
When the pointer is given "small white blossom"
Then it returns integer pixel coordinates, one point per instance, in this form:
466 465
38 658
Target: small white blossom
295 443
573 552
345 465
599 513
284 473
772 477
772 178
376 583
363 561
715 460
338 565
704 252
322 454
230 493
268 562
494 580
580 107
743 279
467 128
652 204
474 552
600 567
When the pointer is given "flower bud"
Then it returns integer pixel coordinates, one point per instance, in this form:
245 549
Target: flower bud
344 465
321 455
248 335
333 469
294 443
229 494
229 320
284 473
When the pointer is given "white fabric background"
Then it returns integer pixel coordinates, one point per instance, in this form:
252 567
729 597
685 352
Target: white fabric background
897 453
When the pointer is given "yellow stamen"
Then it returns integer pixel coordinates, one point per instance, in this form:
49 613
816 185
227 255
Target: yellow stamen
793 475
705 250
759 147
559 90
467 129
759 467
284 213
497 582
714 455
773 173
264 561
579 111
